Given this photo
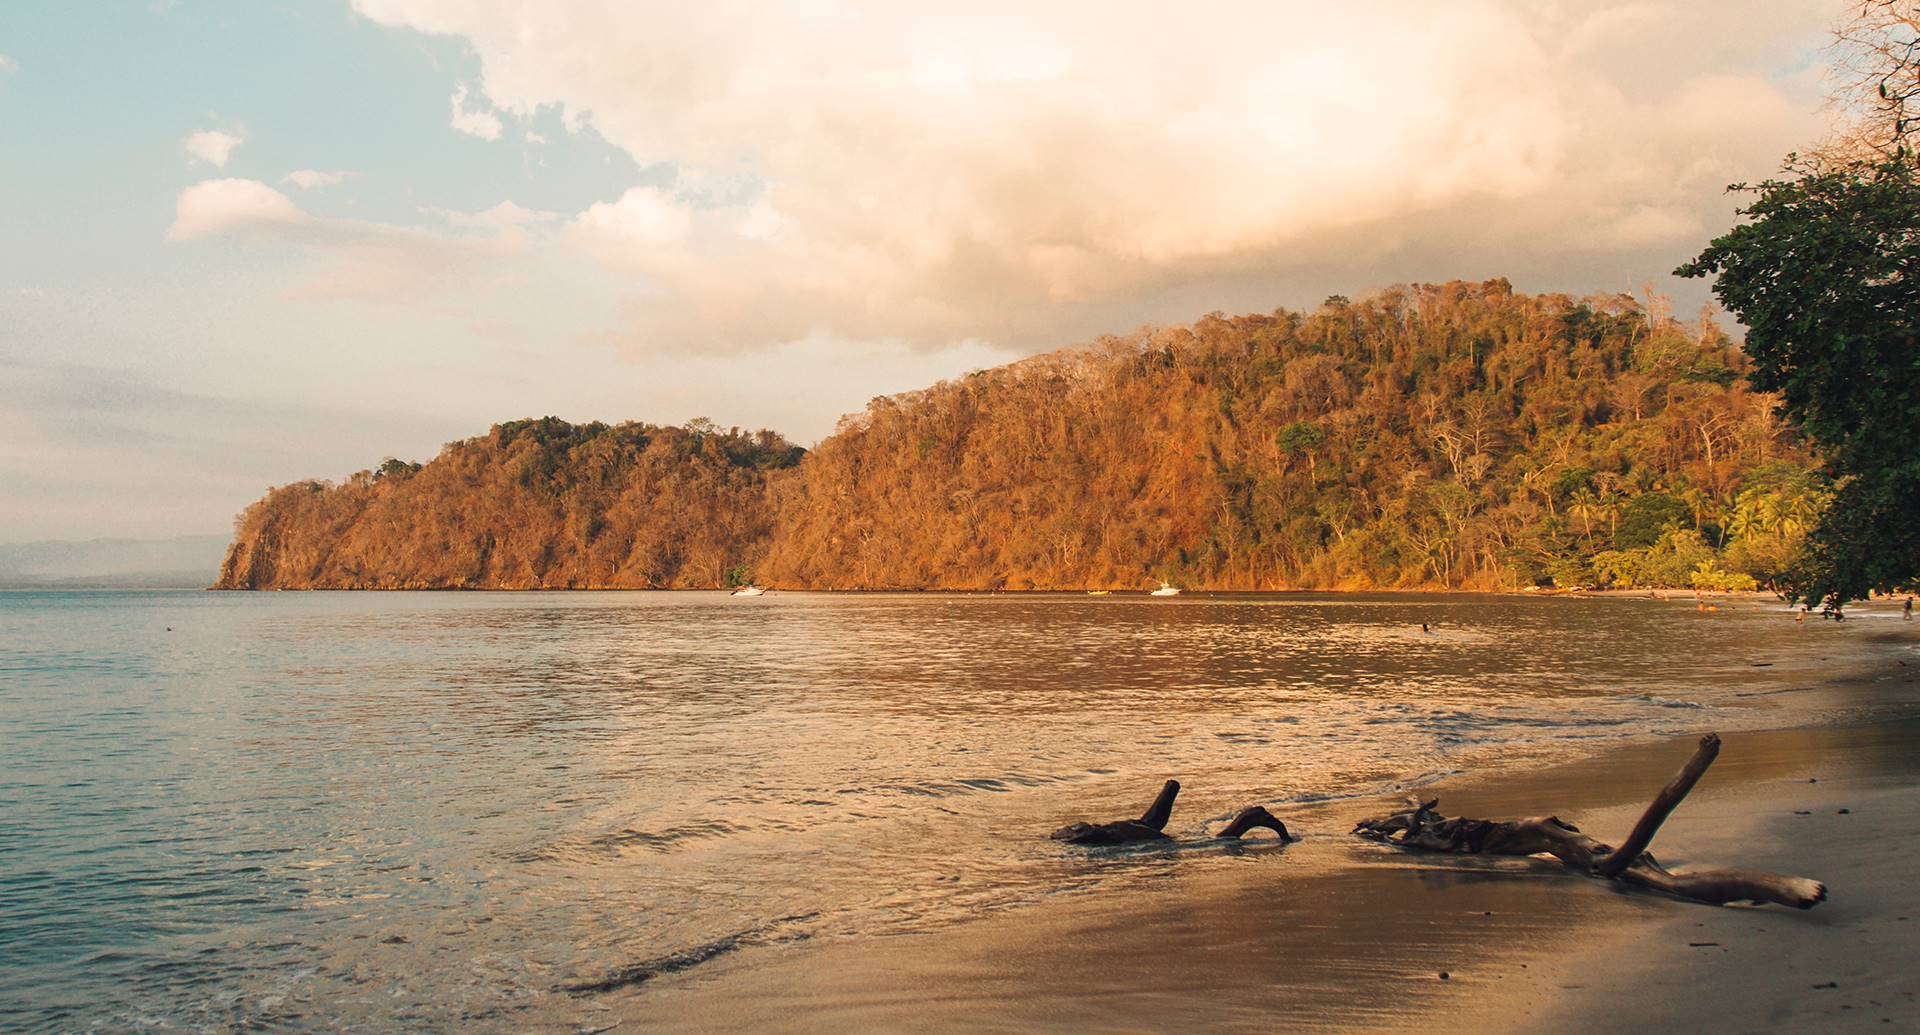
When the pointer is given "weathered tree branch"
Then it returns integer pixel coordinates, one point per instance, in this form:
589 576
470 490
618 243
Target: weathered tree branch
1719 887
1425 829
1662 806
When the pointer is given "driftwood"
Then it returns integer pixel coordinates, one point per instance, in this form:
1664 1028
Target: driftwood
1425 829
1152 825
1149 827
1250 817
1663 805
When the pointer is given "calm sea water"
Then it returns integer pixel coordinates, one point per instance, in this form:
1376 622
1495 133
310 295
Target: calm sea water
440 812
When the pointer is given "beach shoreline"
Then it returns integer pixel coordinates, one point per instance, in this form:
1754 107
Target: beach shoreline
1334 933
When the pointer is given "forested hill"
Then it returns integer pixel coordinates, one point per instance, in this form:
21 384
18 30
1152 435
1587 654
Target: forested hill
1456 435
533 504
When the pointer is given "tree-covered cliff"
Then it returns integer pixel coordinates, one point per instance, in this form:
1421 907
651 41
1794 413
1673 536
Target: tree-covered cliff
533 504
1456 435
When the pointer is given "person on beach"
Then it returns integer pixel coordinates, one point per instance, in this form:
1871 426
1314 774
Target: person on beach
1906 612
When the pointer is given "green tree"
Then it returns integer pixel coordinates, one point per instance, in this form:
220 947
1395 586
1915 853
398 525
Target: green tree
1826 277
1585 506
1301 436
1648 517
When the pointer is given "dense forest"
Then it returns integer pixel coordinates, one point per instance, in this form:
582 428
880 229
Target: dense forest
1456 435
533 504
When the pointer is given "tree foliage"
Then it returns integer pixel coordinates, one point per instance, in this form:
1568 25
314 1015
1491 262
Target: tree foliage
1876 69
1824 276
533 504
1453 435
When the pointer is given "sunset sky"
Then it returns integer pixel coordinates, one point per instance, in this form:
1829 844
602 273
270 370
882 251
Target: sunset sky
247 243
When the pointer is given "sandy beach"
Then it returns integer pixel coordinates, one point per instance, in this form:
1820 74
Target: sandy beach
1333 933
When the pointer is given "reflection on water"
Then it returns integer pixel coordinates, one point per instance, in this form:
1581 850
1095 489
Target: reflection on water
443 812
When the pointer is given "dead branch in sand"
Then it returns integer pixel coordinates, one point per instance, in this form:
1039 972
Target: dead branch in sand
1424 829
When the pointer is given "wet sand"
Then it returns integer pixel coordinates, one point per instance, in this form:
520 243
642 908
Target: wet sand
1333 933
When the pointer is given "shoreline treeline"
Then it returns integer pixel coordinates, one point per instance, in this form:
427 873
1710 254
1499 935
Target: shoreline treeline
1435 436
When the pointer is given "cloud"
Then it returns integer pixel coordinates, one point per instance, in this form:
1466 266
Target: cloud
483 124
359 260
8 66
215 207
642 216
212 146
507 225
313 179
73 437
502 217
1030 173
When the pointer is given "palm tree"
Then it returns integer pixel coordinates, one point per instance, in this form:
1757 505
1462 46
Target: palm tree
1607 484
1703 506
1585 506
1747 519
1799 509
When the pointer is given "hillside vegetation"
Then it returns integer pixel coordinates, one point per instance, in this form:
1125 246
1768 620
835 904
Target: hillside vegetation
1455 435
533 504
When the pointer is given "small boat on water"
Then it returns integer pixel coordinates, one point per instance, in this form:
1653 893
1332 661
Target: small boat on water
748 590
1165 590
1098 592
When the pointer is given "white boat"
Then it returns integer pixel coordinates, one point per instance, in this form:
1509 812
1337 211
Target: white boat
1165 590
748 590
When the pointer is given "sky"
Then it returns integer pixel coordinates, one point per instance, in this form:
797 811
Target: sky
245 243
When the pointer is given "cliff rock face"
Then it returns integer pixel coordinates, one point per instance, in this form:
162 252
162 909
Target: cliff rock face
1456 435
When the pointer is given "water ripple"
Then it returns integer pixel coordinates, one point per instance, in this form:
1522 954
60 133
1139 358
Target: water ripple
457 812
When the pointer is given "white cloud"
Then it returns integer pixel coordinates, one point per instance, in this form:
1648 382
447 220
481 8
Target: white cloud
215 207
312 179
501 217
482 123
643 216
212 146
506 224
1032 172
8 65
358 259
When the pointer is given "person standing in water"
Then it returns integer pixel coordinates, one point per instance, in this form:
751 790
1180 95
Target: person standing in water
1907 611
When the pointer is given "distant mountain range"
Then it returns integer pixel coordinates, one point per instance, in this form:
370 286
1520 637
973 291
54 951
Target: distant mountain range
188 561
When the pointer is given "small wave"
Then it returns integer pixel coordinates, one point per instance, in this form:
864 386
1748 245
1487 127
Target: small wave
1662 702
984 784
1000 784
1464 723
625 840
1372 790
774 932
1774 693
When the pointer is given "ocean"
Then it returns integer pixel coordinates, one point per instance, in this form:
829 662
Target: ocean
480 812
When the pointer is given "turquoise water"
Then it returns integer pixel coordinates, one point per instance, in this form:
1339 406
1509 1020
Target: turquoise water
458 812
